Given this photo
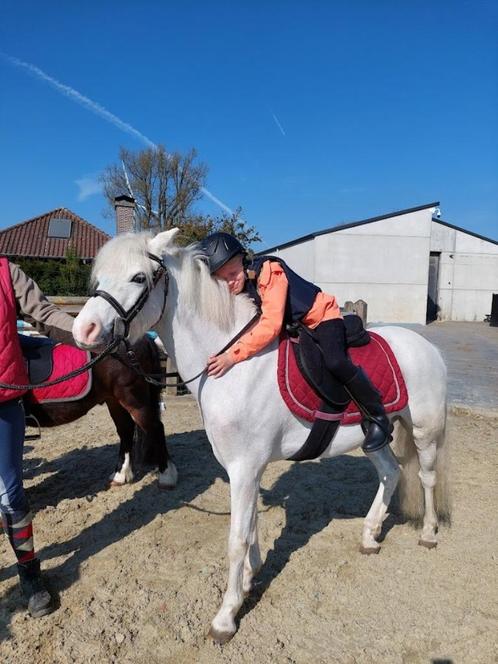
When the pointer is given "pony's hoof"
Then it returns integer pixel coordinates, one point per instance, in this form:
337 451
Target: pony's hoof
114 485
368 550
427 543
168 479
219 636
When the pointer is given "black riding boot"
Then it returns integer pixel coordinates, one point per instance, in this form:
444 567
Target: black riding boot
33 589
375 424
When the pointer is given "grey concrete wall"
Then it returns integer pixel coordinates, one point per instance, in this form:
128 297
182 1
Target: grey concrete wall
468 274
385 263
301 258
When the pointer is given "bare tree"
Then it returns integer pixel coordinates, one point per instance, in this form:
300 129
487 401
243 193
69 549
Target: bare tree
164 185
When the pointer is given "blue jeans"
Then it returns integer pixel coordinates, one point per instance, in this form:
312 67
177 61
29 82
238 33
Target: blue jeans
12 496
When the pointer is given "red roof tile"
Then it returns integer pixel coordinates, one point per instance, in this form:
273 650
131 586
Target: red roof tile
30 238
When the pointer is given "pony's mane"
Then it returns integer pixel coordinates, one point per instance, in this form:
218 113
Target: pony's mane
199 292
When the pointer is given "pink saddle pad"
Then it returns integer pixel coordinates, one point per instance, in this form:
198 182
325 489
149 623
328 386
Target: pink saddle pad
376 359
65 359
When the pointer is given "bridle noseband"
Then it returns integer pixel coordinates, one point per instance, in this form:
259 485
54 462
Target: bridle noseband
126 317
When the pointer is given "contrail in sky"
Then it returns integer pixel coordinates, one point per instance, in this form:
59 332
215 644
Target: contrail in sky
96 108
277 122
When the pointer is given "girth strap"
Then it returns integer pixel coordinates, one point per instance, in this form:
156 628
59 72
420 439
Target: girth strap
323 430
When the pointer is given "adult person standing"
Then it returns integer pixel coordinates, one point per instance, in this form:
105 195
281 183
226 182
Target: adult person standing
19 293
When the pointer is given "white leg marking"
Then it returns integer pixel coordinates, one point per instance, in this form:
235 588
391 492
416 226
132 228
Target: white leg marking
125 475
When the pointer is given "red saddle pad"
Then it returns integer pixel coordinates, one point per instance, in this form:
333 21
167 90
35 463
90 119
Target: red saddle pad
376 359
66 359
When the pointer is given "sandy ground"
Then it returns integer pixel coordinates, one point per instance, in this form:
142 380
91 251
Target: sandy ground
139 572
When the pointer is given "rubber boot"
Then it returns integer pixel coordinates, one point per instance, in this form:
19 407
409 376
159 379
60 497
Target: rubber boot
33 589
375 424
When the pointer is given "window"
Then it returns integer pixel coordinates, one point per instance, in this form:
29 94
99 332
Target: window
60 228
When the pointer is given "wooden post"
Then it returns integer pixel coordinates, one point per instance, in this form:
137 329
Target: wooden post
359 308
171 368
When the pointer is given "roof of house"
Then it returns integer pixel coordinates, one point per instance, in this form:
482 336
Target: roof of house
343 227
50 235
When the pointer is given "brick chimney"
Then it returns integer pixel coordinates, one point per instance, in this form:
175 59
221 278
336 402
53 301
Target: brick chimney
125 214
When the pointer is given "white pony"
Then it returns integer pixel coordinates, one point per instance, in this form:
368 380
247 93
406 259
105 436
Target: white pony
246 420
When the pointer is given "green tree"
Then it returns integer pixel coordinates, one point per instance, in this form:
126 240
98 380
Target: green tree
197 227
58 277
73 275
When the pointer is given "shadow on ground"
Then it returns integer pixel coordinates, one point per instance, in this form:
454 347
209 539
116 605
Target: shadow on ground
312 495
81 473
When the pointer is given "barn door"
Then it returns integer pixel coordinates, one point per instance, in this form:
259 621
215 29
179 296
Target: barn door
432 306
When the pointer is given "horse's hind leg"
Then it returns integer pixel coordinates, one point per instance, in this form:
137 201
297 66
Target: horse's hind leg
427 475
388 471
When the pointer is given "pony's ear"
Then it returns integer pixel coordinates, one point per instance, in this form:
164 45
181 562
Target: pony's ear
161 241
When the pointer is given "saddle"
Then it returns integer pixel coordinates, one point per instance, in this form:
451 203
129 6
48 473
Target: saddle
37 353
313 394
309 358
46 361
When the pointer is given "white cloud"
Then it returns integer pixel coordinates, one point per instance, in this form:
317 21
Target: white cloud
88 186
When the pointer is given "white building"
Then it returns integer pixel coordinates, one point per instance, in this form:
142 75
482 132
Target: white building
409 266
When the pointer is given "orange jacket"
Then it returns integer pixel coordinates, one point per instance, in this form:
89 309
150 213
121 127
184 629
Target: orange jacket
272 287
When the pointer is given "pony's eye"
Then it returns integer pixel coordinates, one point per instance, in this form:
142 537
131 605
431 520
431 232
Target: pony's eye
139 278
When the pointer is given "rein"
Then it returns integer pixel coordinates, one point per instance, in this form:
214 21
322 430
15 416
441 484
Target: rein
134 364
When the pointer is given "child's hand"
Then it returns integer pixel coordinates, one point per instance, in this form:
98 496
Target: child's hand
218 365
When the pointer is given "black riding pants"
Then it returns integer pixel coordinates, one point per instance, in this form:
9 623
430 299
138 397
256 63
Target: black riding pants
331 336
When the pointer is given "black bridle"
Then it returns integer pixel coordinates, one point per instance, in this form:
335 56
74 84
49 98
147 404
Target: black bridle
126 317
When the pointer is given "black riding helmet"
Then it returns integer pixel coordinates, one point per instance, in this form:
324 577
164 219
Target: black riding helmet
220 248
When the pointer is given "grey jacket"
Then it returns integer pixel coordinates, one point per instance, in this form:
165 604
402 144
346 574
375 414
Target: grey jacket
48 319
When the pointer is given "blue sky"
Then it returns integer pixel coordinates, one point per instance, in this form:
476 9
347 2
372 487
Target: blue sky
308 115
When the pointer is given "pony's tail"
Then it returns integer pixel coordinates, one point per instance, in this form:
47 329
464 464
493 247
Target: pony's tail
442 490
410 491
